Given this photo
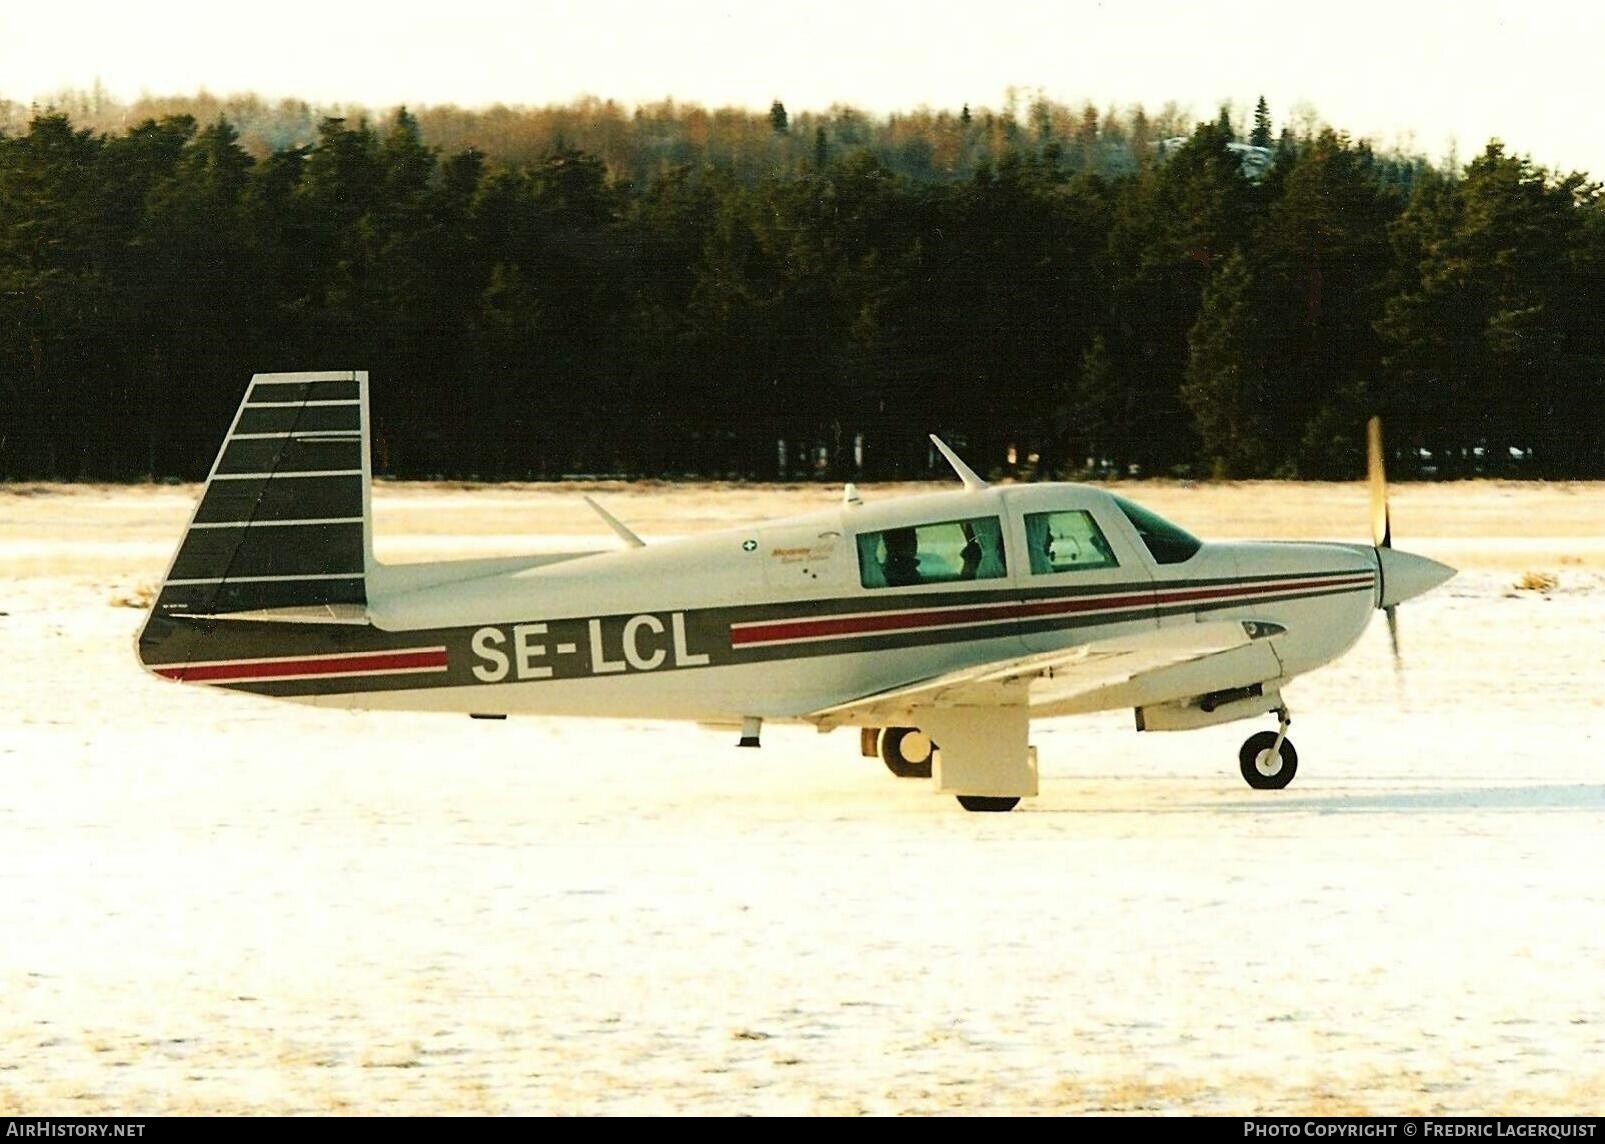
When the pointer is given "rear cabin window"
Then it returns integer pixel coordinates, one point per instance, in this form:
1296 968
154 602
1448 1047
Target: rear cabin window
932 553
1168 543
1066 541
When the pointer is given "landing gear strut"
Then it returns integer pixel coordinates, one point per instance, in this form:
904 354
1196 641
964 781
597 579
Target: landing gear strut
984 760
1267 759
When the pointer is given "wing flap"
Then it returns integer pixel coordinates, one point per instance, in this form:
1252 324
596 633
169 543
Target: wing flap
1128 671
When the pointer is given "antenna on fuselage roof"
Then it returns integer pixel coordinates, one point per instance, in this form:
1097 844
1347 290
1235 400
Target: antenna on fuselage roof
618 526
966 474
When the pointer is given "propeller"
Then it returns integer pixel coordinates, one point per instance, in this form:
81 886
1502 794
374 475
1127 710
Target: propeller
1381 526
1381 523
1400 575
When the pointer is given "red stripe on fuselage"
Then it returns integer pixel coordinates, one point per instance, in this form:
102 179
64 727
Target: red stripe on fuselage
880 623
1353 581
875 624
364 663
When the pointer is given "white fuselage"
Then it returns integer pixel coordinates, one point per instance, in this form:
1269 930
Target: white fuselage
783 619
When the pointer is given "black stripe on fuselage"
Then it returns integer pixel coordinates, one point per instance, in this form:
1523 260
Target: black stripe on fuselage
566 645
1269 597
1266 578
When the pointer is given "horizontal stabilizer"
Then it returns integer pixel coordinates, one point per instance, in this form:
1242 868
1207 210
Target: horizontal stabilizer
303 614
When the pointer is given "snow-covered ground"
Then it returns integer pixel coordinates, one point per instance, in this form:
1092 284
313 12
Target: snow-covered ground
213 903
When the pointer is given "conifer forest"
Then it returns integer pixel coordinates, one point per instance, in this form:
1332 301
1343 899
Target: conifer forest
677 292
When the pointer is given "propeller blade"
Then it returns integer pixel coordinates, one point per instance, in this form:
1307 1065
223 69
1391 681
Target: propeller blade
1381 525
1392 612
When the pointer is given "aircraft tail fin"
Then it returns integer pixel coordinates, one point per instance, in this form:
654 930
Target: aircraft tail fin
283 527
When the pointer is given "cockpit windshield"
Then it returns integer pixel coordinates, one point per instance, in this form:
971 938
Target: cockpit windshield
1169 543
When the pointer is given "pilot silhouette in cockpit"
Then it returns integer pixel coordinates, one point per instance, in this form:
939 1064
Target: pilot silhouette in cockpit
970 555
902 564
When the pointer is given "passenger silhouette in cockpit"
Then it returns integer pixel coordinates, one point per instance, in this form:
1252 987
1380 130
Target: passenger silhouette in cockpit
970 555
902 564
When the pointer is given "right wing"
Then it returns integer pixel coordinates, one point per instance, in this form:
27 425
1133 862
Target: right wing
1128 671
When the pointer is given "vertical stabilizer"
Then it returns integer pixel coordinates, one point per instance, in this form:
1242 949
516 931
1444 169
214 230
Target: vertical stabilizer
283 524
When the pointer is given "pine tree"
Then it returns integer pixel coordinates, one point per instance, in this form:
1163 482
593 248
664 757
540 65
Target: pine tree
1319 258
1478 338
1091 414
1225 381
1223 123
1261 136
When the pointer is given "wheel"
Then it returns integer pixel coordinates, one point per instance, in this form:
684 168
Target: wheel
1263 770
907 751
982 803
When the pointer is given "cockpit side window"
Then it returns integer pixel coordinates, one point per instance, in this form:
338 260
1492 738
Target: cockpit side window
1066 541
932 553
1168 543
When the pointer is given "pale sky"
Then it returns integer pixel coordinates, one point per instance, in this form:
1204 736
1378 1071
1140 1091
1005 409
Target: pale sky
1427 73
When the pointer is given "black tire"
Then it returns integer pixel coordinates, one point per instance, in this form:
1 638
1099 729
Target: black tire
985 803
898 763
1248 760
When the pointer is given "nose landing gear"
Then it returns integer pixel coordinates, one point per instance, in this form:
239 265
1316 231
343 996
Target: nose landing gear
1267 758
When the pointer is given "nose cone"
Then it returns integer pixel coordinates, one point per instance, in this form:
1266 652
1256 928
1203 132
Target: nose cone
1405 575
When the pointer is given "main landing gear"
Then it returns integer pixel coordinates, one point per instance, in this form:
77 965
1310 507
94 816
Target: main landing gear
1267 758
986 803
978 756
906 751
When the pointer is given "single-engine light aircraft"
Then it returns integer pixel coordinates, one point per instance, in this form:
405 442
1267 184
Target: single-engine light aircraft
940 624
